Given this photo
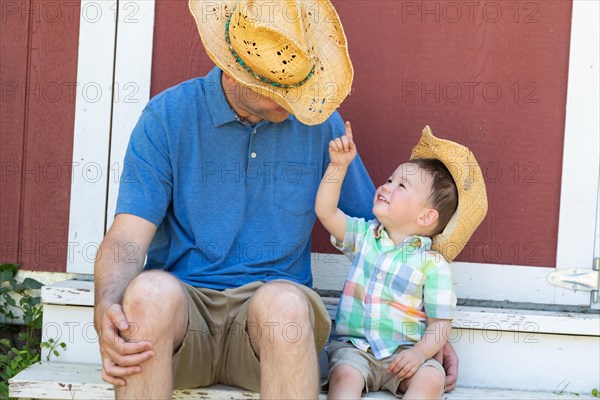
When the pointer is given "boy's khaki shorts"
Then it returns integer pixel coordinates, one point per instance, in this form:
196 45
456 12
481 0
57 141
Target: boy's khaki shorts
374 371
216 347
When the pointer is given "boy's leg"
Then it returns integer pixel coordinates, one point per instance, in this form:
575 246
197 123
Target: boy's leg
345 382
426 384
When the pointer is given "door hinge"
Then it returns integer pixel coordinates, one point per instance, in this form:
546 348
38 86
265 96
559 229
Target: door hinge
578 279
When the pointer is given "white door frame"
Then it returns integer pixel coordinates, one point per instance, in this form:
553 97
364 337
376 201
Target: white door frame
121 71
579 191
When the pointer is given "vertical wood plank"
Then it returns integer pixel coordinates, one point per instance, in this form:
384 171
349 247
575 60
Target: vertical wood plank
91 143
49 134
132 81
14 28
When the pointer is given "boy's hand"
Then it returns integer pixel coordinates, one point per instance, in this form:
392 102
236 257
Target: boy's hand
406 363
342 150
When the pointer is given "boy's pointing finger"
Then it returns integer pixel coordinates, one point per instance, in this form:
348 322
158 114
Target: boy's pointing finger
349 130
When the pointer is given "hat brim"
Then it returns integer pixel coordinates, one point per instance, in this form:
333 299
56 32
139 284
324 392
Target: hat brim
314 101
472 196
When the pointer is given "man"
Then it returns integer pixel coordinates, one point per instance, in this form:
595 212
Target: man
218 189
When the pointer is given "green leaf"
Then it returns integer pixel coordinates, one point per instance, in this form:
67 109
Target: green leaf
12 268
595 392
5 342
32 284
5 276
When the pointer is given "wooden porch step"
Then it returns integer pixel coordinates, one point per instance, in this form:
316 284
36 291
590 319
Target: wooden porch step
498 348
83 381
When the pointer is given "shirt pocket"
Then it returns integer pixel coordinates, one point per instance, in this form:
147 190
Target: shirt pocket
408 281
295 188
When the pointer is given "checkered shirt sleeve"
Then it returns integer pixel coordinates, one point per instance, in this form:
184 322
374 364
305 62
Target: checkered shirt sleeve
438 292
356 229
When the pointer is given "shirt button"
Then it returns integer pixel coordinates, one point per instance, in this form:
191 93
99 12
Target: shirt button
254 131
253 155
379 276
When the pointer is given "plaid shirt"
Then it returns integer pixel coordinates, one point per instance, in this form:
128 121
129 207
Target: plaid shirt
390 290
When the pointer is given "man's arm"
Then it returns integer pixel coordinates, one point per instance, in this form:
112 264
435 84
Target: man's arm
341 151
449 360
119 259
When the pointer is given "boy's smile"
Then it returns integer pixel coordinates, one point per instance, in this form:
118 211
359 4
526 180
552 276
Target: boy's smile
381 198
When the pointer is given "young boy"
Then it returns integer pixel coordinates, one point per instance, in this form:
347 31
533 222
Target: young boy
397 305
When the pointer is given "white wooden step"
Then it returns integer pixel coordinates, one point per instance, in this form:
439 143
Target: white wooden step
81 293
83 381
497 348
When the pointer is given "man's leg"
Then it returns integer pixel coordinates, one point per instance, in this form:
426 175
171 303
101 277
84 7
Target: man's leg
156 306
285 345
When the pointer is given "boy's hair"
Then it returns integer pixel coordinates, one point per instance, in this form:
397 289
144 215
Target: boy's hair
444 195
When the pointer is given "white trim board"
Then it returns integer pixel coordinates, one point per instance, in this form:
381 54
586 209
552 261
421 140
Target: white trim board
133 73
581 158
106 110
472 281
91 133
78 293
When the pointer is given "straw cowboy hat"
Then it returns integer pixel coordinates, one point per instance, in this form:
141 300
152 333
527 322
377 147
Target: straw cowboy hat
294 52
472 197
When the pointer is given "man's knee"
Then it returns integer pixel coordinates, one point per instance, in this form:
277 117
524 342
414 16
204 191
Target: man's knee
280 300
154 292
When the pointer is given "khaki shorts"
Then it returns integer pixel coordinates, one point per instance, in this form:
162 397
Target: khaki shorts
374 371
216 347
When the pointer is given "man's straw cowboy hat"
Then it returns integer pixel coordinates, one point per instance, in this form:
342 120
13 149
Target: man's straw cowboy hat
294 52
472 197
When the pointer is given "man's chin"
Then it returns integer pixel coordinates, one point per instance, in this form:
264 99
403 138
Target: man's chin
277 117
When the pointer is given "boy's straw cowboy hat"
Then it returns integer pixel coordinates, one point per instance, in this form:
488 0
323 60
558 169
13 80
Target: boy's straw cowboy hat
294 52
472 197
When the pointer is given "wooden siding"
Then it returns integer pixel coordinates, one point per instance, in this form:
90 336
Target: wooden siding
38 83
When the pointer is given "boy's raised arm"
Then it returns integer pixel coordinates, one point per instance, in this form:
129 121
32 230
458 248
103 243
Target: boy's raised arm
341 151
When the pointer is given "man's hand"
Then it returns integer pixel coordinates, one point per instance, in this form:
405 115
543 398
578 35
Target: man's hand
342 150
449 360
121 355
407 363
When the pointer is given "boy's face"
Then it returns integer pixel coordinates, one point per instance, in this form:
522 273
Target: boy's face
403 198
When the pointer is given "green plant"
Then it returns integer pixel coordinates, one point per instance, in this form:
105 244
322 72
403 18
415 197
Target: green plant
51 344
16 298
595 392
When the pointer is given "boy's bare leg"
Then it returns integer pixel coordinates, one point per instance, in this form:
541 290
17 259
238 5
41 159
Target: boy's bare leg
156 306
286 347
426 384
345 382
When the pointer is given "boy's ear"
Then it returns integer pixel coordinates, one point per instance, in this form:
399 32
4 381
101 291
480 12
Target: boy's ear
428 217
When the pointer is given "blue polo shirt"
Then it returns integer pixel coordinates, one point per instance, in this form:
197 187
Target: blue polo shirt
233 203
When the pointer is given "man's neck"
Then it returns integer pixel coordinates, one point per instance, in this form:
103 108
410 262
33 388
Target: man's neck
231 94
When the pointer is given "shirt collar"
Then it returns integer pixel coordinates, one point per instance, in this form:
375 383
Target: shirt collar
218 107
423 242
